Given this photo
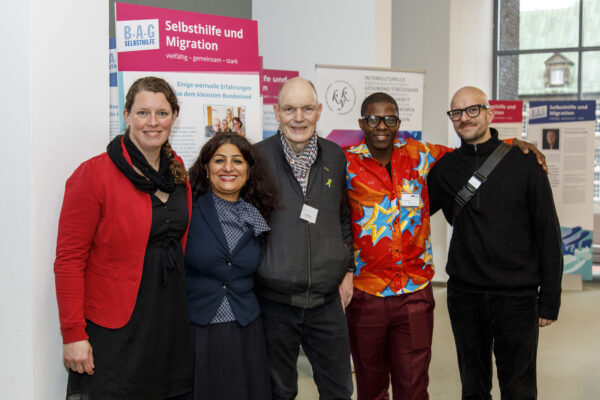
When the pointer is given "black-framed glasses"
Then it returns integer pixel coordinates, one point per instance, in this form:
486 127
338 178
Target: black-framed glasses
374 120
472 111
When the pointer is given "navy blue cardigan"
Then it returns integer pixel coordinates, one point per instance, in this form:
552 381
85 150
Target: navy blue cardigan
212 271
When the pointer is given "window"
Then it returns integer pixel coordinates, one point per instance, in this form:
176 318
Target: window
548 50
557 77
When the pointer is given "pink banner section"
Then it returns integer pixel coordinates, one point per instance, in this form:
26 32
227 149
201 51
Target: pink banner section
158 39
271 79
506 111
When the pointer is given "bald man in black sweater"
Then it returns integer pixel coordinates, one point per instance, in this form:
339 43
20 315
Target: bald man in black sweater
505 260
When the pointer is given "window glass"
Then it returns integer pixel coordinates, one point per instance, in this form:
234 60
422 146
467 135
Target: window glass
545 24
557 77
590 73
591 22
535 76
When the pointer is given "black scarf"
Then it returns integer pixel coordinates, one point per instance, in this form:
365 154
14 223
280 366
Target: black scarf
152 180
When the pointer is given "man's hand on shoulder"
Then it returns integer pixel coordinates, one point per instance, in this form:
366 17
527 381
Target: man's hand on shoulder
346 289
526 147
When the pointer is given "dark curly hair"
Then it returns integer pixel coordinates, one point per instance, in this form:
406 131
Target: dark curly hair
158 85
259 190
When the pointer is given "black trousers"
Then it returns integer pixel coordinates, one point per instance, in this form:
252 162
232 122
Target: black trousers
323 334
506 325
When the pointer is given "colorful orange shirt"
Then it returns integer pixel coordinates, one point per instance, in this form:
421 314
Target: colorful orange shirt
390 217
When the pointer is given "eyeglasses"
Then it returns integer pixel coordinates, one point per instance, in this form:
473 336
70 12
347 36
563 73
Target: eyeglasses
374 120
472 111
306 110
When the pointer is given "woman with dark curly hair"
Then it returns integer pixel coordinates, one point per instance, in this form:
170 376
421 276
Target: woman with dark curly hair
233 199
120 282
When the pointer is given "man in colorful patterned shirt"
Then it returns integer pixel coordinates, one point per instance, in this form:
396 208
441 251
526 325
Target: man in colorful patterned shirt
390 318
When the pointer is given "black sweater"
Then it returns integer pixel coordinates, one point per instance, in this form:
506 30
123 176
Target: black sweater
506 240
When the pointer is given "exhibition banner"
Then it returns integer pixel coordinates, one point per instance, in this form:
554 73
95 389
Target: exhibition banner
343 89
271 80
210 61
508 118
113 103
565 132
159 39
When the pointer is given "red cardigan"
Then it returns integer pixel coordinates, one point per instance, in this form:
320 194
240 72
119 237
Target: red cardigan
102 236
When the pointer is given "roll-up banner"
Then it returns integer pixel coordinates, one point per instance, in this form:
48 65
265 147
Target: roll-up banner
565 130
342 89
113 111
508 118
210 61
271 81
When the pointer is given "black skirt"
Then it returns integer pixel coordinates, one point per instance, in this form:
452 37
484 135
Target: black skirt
150 357
230 362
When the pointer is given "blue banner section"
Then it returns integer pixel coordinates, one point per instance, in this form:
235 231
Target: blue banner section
542 112
112 61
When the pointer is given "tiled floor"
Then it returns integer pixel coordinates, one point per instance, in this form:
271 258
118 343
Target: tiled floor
568 353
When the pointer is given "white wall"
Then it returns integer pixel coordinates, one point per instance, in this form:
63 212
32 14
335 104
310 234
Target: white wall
55 67
471 38
420 41
69 58
16 291
297 35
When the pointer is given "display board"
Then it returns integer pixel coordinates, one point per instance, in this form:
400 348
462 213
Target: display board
508 118
113 112
342 90
271 81
210 61
565 130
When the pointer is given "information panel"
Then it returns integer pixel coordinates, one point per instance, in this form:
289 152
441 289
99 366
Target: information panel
508 118
211 61
565 132
271 80
342 90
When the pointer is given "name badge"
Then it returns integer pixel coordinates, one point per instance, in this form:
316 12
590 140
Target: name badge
309 213
409 200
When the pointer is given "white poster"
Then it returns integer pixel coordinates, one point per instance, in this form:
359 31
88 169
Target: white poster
205 99
210 61
508 118
342 90
565 132
113 111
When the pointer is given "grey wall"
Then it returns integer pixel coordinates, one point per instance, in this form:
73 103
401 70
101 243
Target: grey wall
420 40
229 8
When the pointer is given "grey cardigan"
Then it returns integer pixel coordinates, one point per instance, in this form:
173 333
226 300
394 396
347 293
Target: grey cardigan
302 264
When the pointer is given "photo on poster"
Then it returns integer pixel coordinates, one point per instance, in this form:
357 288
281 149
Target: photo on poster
550 139
225 118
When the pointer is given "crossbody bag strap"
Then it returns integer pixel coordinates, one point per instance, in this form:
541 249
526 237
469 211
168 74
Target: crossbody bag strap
479 177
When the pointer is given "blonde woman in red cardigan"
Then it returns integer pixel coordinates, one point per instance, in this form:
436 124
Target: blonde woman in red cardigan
120 282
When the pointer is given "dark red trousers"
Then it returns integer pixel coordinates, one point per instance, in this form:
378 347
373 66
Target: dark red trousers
390 338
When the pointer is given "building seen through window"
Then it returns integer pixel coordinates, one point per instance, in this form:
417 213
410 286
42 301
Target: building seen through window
549 50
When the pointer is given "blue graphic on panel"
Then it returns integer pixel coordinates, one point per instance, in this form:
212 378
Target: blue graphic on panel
112 62
577 251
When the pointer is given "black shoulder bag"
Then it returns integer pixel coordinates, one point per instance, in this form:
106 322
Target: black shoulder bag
478 178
